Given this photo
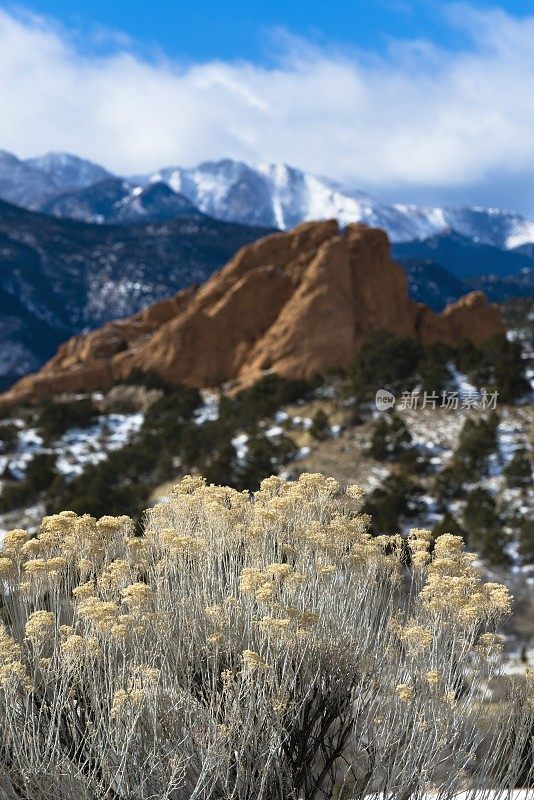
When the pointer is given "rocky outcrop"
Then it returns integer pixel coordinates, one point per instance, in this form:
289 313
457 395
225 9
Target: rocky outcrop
296 303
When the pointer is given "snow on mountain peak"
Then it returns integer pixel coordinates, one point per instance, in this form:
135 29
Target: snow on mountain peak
281 196
67 171
270 195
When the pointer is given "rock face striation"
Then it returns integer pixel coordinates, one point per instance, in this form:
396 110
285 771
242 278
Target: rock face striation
296 303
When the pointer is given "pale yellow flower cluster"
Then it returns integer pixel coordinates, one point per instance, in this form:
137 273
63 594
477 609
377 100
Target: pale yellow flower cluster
86 566
13 543
124 701
80 537
454 587
289 631
272 486
416 637
278 502
356 494
145 677
50 567
76 649
433 678
84 590
103 615
190 484
12 671
490 643
115 575
343 535
178 544
449 557
213 505
216 615
10 650
404 692
274 625
39 625
262 584
253 661
56 531
278 570
31 549
250 580
499 598
137 596
419 541
318 485
466 597
7 567
15 675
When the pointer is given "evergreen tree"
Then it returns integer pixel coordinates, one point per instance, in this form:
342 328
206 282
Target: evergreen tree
396 500
485 528
448 524
385 362
526 541
519 470
390 438
505 357
478 440
320 427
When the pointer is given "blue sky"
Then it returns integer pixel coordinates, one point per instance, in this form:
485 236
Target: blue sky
239 29
427 101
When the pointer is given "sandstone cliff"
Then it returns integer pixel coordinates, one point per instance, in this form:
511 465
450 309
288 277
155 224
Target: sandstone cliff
298 303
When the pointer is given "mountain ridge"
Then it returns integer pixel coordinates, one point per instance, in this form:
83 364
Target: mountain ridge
459 253
31 182
116 201
268 195
281 196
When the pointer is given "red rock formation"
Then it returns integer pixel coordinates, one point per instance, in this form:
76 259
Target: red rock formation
298 303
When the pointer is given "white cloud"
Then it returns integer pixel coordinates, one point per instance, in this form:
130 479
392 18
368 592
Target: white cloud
418 116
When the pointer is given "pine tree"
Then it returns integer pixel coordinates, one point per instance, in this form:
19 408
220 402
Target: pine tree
320 427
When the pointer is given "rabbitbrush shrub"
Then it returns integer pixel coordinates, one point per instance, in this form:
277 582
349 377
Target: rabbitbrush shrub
250 648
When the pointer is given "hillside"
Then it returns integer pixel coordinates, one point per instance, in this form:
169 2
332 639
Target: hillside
62 276
464 469
298 304
463 256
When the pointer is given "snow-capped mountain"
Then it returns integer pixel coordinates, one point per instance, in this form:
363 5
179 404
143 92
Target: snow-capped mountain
281 196
68 172
21 184
31 182
270 195
119 201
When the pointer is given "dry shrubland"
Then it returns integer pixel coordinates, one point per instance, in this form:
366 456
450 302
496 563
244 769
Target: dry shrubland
259 647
